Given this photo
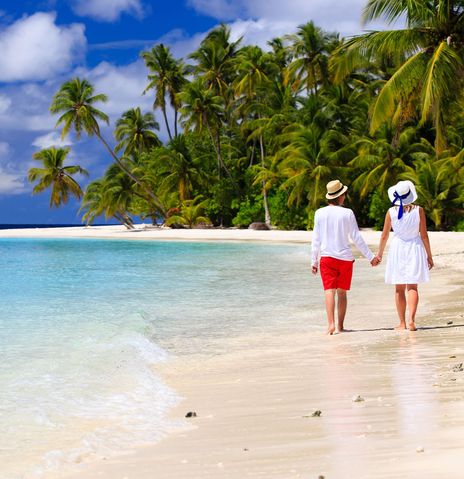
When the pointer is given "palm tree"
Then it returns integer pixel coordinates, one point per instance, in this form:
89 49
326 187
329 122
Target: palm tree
177 169
254 69
430 55
75 100
134 132
382 163
190 214
167 77
202 108
310 48
56 176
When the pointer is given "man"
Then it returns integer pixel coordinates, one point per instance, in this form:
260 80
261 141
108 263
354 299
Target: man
333 227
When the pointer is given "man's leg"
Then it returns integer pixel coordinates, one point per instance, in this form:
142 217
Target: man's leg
413 301
330 309
342 304
400 300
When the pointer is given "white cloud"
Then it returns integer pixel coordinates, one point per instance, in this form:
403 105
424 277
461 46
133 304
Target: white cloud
51 139
331 15
35 48
108 10
11 181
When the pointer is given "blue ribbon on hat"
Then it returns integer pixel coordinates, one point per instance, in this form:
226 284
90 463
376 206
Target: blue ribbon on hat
397 197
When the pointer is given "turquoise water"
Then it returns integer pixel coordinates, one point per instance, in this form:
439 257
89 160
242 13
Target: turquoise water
84 323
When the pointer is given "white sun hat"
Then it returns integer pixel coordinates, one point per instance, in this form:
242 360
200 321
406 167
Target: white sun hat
335 189
402 194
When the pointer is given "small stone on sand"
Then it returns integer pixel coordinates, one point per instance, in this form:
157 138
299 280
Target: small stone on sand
449 322
316 413
458 368
191 414
419 449
357 399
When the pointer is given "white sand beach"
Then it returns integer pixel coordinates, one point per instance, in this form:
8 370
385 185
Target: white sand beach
255 404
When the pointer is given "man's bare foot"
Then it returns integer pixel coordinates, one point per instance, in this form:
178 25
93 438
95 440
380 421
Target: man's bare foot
341 330
400 327
331 330
412 326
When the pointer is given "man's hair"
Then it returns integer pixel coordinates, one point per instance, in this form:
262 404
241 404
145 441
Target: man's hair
334 201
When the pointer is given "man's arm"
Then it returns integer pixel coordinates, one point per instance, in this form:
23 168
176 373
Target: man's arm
315 244
358 240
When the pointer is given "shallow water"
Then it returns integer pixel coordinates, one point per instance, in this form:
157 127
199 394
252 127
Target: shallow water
84 323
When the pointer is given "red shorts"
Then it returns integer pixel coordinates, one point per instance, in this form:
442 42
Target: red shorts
336 273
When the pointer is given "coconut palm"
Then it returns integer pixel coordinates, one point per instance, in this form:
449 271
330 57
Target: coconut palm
202 108
134 132
254 69
177 169
429 52
75 100
190 214
310 48
56 176
167 77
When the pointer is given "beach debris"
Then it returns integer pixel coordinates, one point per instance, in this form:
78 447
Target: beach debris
191 414
458 368
419 449
321 477
245 449
316 413
449 322
357 399
451 357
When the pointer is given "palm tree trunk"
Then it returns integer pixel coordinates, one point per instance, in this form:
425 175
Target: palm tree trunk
121 165
176 134
166 122
267 215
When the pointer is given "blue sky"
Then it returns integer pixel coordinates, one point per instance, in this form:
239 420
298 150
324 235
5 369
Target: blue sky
45 42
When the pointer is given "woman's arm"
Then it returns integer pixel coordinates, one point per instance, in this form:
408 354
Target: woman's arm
384 236
425 237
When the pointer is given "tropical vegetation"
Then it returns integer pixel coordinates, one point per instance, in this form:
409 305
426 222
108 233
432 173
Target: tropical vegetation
254 134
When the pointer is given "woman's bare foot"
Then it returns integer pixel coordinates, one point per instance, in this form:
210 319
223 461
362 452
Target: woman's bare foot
331 330
400 327
412 326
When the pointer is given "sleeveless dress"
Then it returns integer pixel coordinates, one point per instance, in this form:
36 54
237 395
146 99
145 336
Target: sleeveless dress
407 259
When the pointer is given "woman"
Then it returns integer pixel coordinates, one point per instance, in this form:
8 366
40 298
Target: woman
410 256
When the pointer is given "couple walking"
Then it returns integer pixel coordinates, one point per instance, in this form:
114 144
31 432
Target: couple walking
409 258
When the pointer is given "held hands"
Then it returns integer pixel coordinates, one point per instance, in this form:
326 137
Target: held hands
314 269
376 260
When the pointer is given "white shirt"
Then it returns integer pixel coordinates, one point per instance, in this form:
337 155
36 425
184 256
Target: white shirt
333 227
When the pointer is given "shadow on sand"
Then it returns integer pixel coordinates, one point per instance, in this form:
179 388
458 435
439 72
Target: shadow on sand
419 328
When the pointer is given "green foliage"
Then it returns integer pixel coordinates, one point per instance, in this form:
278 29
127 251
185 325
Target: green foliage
249 211
378 207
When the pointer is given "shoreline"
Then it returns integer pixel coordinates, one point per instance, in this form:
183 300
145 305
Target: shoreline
254 403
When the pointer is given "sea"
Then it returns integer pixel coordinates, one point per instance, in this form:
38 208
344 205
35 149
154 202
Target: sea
86 324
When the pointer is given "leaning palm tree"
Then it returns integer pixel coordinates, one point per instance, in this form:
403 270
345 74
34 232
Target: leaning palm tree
75 101
56 176
167 77
430 55
134 132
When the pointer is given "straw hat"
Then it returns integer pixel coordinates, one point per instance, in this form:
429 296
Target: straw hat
335 189
403 192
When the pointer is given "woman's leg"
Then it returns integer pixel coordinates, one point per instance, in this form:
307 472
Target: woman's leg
413 301
400 300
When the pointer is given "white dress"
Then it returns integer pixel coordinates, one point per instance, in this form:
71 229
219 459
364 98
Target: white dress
407 259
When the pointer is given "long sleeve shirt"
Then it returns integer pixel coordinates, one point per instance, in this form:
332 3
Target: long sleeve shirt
334 226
